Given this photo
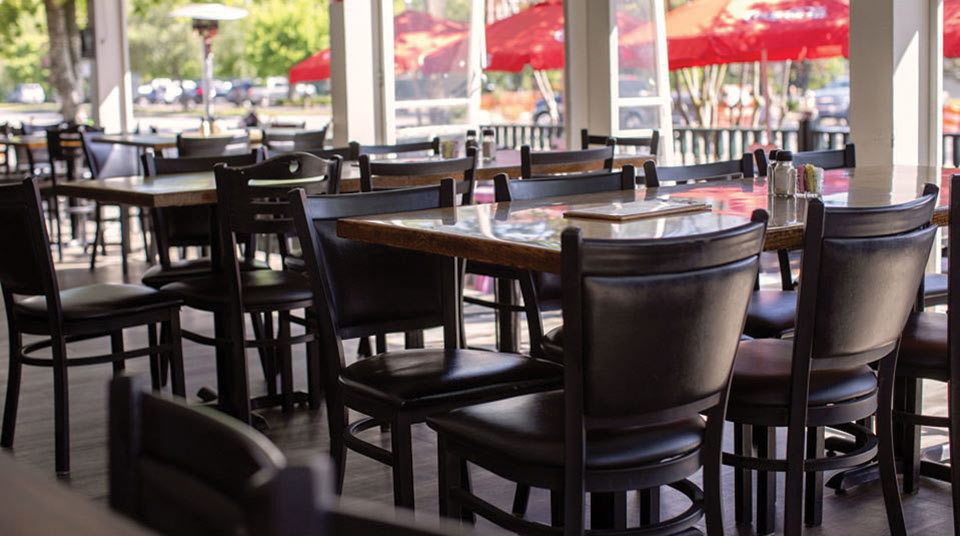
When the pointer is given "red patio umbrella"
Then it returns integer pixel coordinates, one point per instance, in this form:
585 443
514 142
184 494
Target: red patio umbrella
711 32
416 34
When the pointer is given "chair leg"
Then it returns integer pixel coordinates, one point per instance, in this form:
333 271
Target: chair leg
116 347
649 506
337 424
155 381
314 381
909 436
285 357
954 410
267 362
766 438
793 496
813 498
97 235
13 390
381 339
885 455
786 274
177 375
521 498
608 511
61 413
448 478
401 445
712 466
363 348
55 210
743 478
413 339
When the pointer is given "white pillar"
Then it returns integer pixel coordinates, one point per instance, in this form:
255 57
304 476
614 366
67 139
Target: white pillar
354 89
895 81
476 61
110 85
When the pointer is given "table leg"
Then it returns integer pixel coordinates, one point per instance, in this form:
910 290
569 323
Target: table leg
508 326
124 236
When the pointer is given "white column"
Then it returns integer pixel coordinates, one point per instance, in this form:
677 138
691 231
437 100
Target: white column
354 89
895 81
110 85
476 60
590 75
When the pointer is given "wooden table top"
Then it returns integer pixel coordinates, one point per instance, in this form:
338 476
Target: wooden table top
37 142
154 141
526 234
188 189
33 503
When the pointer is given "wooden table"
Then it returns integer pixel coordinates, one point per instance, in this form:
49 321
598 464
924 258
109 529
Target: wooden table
188 189
34 142
527 234
157 142
33 503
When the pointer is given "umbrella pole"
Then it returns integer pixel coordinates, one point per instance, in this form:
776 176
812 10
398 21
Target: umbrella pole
765 84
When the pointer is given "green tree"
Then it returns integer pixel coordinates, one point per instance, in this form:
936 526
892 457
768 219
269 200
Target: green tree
280 33
23 44
161 46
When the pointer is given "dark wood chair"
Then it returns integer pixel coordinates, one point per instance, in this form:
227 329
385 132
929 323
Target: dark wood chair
67 157
830 159
464 169
285 142
651 143
287 124
927 352
350 153
615 426
107 160
188 470
430 146
251 200
193 146
35 305
823 377
599 159
655 176
363 289
182 227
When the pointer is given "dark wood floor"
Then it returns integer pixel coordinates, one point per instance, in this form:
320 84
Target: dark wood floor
857 513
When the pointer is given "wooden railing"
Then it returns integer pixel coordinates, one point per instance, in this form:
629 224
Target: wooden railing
538 137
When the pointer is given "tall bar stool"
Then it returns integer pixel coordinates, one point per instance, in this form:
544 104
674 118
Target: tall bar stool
822 378
35 305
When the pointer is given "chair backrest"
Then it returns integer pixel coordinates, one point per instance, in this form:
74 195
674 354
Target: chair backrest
361 288
601 158
835 159
463 170
848 254
287 124
107 160
431 146
26 267
189 470
349 153
621 293
56 150
953 288
651 142
586 183
190 146
655 175
294 141
186 226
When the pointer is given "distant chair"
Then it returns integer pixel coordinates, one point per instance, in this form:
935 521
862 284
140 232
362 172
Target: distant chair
430 146
830 159
651 142
181 469
349 153
284 142
190 146
531 163
462 169
288 124
107 160
655 176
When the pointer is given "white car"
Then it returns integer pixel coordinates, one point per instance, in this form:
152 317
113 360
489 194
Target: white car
32 93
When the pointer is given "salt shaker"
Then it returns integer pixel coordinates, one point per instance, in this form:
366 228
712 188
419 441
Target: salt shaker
784 181
489 144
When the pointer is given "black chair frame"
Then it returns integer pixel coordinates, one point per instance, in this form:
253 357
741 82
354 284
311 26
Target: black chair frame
530 160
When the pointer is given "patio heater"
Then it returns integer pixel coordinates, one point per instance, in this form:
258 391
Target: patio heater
206 21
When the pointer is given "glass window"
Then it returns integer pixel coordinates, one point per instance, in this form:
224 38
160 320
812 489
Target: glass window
639 97
431 39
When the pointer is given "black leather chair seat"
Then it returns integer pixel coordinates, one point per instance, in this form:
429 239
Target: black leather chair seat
770 313
761 377
529 429
260 288
935 289
156 276
101 300
924 342
428 376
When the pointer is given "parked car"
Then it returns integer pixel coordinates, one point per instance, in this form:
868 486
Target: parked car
275 89
30 93
833 100
631 117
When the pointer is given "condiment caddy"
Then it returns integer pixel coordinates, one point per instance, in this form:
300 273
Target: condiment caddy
789 181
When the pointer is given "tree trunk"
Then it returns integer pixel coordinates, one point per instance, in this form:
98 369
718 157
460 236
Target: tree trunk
63 70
